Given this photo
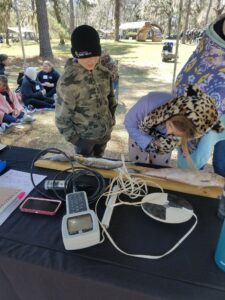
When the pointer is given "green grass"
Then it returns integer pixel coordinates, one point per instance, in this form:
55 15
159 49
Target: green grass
141 70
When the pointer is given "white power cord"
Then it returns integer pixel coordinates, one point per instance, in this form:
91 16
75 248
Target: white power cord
133 187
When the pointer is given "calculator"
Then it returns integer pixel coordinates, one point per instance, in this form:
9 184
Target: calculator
80 228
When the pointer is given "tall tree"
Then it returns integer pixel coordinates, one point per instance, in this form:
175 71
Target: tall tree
188 10
207 13
117 19
5 6
219 7
20 31
43 29
72 24
57 11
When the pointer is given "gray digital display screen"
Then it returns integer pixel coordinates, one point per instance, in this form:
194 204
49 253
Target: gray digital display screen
81 223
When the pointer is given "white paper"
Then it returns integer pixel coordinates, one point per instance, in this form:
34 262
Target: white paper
20 180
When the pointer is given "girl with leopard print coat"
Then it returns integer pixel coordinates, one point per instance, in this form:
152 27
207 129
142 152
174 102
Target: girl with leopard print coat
158 123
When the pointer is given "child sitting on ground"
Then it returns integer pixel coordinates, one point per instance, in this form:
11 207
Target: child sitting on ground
33 92
4 61
11 111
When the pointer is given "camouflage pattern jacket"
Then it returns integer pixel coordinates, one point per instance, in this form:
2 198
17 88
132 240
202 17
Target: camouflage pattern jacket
85 105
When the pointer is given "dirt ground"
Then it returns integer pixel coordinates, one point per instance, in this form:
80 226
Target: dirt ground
141 71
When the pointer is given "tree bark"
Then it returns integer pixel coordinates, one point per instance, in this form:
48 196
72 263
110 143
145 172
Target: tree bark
33 17
117 19
186 21
7 37
72 25
43 29
5 7
169 25
59 19
219 9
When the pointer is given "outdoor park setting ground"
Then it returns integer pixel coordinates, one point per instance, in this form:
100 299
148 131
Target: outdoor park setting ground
141 70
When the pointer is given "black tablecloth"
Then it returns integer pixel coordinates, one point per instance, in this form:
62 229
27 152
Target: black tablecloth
35 265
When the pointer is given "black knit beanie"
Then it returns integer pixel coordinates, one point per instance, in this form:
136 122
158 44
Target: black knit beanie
85 42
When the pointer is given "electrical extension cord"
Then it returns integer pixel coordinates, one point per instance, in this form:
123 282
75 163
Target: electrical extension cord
71 178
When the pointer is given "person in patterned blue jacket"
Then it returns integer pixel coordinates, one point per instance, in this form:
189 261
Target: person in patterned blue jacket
206 69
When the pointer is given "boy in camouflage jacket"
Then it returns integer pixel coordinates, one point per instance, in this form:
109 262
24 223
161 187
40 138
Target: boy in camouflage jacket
85 108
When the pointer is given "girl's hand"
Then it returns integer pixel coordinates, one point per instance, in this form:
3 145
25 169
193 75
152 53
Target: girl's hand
156 143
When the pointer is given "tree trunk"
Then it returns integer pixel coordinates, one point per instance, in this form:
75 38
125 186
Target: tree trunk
169 24
7 37
72 25
186 21
207 14
5 7
43 29
117 19
219 9
33 17
59 20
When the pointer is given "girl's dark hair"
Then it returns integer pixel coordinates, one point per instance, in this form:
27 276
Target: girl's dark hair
4 79
3 57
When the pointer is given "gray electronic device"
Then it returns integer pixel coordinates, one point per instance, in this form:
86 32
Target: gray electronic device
167 208
80 228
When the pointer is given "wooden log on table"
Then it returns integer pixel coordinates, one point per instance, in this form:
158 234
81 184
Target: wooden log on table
211 192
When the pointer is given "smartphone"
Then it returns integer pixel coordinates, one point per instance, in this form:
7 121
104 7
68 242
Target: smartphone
40 206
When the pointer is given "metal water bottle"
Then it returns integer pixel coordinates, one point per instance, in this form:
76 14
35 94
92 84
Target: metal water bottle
220 250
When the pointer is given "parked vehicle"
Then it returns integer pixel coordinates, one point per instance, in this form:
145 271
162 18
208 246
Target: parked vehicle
167 52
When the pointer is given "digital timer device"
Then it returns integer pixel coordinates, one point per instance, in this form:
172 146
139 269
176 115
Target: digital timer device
80 228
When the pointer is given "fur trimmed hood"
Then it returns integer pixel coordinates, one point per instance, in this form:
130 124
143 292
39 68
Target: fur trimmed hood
194 104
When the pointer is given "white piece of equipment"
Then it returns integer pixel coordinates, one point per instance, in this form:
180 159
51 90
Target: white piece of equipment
167 208
110 207
80 227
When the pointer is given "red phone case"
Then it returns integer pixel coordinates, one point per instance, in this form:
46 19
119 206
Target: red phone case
38 211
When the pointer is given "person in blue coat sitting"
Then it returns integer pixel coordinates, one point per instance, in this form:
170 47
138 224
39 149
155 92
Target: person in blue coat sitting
32 91
48 78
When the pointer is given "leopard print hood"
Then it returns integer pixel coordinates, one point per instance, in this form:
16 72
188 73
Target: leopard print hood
194 104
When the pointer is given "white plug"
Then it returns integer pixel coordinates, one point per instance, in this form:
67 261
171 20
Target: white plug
110 207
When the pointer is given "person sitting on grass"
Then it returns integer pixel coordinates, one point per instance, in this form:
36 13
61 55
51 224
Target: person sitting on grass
11 111
33 93
20 78
48 77
4 61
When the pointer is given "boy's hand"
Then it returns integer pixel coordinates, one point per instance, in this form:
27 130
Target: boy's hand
43 92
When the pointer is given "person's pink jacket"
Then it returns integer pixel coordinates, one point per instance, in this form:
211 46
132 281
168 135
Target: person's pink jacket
5 108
